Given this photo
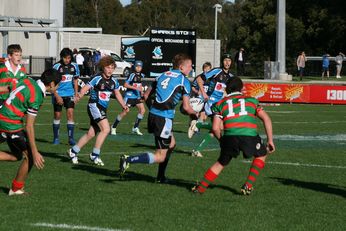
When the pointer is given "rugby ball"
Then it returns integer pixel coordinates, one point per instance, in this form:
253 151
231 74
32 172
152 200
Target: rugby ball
197 104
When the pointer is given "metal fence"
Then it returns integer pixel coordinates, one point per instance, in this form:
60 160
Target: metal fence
35 65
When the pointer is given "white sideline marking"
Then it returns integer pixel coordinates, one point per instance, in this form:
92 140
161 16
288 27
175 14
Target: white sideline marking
310 122
338 137
75 227
301 164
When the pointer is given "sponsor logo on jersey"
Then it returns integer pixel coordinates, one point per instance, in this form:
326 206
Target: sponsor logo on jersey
104 95
220 87
66 78
72 69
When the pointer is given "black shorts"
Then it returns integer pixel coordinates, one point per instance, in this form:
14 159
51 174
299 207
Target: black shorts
68 103
132 102
161 127
17 142
96 114
249 145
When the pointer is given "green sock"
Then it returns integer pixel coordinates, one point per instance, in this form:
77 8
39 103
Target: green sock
205 125
204 142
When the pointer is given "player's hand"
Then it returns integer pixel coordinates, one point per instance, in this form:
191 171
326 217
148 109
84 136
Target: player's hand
59 100
38 160
270 147
126 108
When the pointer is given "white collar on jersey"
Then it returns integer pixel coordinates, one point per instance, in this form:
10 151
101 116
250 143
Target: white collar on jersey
42 86
8 65
235 93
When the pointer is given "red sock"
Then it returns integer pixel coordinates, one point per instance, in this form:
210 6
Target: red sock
209 177
16 185
256 167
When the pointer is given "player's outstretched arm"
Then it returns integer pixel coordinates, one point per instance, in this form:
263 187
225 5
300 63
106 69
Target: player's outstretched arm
120 100
268 128
37 157
82 92
217 127
200 83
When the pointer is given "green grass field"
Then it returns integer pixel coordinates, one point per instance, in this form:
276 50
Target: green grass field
302 187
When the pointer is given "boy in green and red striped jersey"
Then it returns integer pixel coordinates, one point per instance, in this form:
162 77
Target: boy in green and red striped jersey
24 102
237 115
11 71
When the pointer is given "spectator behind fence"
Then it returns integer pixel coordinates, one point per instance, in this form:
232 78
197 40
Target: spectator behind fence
338 60
87 63
325 65
240 61
301 64
75 52
96 59
79 61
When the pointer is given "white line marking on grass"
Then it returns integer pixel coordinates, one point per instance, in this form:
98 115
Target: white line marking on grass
300 164
338 137
75 227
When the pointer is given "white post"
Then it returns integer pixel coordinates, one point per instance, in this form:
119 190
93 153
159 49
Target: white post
281 38
218 9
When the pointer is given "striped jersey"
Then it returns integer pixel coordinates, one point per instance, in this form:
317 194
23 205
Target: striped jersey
239 114
9 77
26 98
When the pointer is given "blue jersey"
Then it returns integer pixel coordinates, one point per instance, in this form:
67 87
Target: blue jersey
68 73
101 90
217 80
325 61
135 80
170 87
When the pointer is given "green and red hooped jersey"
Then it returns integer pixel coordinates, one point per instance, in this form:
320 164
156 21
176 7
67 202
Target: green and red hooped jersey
8 78
26 98
239 114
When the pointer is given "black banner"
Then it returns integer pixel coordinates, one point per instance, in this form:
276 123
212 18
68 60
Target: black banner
166 43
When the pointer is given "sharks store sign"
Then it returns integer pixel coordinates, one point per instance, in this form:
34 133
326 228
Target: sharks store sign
158 50
166 43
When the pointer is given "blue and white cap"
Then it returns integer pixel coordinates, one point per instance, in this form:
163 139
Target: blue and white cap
138 63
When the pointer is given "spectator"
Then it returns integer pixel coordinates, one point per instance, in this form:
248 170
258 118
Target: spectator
96 59
338 60
301 64
240 61
325 65
87 63
74 52
79 61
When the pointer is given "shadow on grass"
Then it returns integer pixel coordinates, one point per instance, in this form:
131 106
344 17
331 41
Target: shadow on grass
319 187
4 190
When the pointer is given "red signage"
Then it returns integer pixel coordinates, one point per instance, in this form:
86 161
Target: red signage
296 93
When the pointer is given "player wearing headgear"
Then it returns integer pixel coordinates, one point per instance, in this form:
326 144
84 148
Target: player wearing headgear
65 93
217 79
22 104
102 86
132 98
169 88
236 115
11 71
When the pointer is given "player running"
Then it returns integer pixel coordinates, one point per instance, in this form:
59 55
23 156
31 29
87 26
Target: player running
64 94
11 71
102 86
237 113
132 98
22 104
169 88
217 79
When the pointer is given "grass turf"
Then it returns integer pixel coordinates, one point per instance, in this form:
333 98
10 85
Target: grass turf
288 196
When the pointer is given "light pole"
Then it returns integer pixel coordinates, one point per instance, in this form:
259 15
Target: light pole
218 9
